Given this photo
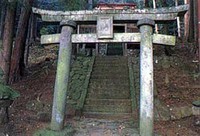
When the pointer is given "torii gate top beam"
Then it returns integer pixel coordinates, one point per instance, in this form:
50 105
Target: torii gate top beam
158 15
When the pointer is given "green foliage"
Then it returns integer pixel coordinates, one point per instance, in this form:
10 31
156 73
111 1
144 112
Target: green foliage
8 93
50 29
44 31
74 4
164 3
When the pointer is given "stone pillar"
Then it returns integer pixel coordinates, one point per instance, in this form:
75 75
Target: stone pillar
146 77
62 76
97 49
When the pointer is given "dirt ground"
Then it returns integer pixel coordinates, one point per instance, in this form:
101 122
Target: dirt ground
38 83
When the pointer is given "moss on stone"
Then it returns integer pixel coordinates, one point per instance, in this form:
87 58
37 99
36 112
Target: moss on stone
78 79
67 131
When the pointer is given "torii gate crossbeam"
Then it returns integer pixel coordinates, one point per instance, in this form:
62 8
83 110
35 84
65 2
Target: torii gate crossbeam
158 15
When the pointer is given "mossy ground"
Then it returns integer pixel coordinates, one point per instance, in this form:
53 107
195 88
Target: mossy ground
67 131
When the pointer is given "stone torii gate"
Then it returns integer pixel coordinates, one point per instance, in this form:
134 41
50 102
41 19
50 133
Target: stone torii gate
145 19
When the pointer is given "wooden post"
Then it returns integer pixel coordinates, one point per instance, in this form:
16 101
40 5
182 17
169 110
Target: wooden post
78 45
178 21
186 22
146 77
62 76
156 25
97 49
125 45
125 49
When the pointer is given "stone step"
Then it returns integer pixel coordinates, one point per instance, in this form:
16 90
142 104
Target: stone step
105 71
110 73
108 94
110 69
107 102
109 77
110 58
107 108
109 90
105 86
117 90
120 71
110 63
119 62
108 116
108 82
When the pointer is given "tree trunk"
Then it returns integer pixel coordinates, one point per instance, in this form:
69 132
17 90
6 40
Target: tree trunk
17 60
31 37
33 31
198 15
5 51
2 18
178 22
191 22
186 22
195 22
28 41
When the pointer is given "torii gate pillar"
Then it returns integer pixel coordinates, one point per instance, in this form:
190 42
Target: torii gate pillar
146 77
62 75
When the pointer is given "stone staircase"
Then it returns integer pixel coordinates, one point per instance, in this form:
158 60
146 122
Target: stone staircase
109 91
